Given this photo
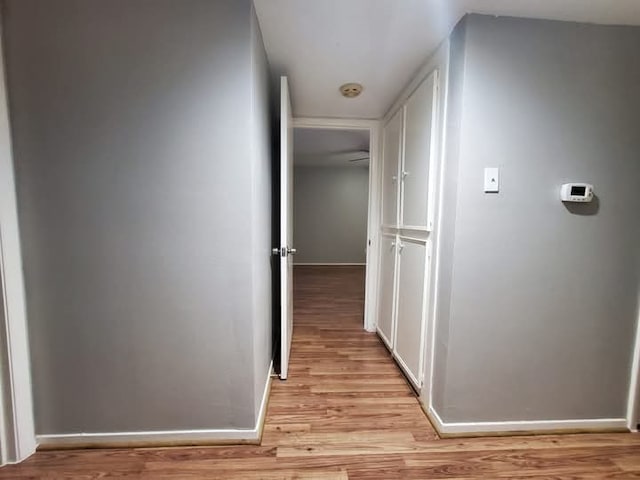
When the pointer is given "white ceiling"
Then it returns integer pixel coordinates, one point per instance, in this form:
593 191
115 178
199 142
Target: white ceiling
321 44
329 148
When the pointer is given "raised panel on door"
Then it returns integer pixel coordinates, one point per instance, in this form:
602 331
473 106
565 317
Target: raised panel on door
391 151
386 292
417 154
410 318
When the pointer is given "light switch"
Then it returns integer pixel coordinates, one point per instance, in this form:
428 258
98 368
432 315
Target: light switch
492 179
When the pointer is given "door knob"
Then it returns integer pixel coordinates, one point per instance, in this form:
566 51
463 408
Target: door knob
291 251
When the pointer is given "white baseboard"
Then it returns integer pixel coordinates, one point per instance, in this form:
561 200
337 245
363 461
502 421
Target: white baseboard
480 428
163 437
262 413
407 371
384 339
329 264
152 437
401 363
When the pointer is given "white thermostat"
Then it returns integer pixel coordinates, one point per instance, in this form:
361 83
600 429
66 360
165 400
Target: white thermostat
576 192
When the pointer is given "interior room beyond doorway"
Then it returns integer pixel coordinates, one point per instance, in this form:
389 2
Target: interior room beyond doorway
331 203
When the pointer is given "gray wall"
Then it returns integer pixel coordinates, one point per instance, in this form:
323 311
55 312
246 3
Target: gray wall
261 218
539 314
138 191
330 214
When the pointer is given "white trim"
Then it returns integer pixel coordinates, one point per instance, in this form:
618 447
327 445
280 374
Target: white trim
462 428
426 301
436 129
439 60
426 394
397 265
413 228
633 400
400 181
262 413
385 340
17 435
221 435
412 239
5 387
407 371
329 264
335 123
373 230
160 437
373 215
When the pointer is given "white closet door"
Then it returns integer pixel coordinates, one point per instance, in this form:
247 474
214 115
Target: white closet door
417 154
410 318
392 149
387 284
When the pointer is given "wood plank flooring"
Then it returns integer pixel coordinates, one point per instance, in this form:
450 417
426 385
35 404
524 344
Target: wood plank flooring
347 413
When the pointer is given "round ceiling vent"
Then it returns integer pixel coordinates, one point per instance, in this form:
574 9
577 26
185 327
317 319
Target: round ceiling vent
351 90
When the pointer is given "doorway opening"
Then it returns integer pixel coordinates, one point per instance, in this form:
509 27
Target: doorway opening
334 208
330 220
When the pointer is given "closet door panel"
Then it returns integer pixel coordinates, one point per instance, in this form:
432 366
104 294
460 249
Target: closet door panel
417 154
409 331
387 286
391 151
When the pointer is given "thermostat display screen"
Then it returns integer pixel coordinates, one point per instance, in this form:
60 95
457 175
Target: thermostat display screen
578 191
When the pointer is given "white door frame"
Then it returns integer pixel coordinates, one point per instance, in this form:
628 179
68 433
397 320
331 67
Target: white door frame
373 221
633 401
17 433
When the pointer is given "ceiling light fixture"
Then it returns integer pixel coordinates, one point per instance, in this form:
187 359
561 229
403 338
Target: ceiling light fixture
351 90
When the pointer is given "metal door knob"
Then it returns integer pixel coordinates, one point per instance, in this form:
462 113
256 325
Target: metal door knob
291 251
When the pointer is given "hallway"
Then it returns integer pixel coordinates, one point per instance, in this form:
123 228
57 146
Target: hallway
344 390
346 412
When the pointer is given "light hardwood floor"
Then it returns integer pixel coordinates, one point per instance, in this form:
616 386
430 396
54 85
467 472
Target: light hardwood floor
346 412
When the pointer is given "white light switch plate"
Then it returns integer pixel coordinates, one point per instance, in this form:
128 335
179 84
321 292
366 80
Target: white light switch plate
492 179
